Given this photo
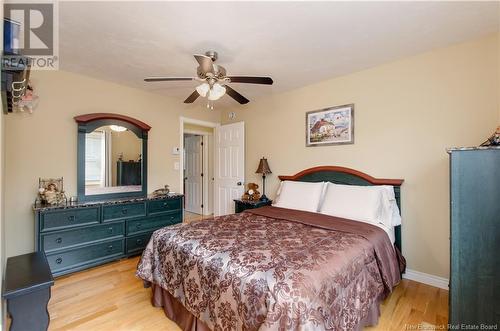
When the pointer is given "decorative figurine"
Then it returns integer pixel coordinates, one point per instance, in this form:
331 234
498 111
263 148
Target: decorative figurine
161 191
494 140
252 194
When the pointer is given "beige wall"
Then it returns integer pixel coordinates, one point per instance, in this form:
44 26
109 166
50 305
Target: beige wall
406 114
44 144
199 128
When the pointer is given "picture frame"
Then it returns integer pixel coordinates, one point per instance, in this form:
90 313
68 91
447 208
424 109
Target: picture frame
50 192
330 126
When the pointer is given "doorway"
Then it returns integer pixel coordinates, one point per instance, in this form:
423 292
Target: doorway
197 171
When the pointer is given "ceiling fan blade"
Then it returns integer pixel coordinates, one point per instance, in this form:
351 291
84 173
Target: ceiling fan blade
206 63
166 79
251 80
236 96
192 97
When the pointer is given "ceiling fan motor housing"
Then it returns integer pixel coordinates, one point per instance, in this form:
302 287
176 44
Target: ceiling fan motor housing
212 54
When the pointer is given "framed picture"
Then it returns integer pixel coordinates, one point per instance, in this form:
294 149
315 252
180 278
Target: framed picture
330 126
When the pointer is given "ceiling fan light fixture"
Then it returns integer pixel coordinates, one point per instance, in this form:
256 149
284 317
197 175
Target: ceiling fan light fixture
216 92
117 128
203 89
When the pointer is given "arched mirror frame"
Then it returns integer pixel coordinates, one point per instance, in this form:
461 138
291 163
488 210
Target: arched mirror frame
88 123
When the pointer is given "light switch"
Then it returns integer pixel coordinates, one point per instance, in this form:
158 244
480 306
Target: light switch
176 165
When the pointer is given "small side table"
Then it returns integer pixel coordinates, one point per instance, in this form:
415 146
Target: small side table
241 205
27 290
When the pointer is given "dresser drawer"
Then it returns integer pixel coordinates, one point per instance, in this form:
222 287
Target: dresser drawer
156 207
123 211
153 223
85 255
138 243
59 219
68 238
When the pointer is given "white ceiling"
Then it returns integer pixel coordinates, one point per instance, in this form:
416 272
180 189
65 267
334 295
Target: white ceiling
296 43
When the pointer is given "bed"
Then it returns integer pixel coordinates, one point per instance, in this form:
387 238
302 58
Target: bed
276 268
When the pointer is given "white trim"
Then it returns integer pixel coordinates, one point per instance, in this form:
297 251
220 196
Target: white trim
198 132
428 279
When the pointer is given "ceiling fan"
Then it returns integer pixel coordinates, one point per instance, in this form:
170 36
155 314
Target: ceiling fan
213 80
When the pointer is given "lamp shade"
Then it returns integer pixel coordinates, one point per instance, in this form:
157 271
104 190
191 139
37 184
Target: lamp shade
263 167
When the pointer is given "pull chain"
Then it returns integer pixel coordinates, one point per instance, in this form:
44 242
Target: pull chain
210 105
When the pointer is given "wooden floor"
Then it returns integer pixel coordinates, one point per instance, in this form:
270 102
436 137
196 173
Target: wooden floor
190 217
110 297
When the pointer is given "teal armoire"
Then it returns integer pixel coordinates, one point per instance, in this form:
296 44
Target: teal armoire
475 237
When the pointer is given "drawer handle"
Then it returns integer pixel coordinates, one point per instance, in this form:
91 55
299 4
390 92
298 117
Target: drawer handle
110 248
172 217
138 225
138 241
165 204
71 218
59 240
59 260
124 211
110 230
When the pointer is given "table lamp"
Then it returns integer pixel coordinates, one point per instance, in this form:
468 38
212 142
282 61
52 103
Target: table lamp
264 170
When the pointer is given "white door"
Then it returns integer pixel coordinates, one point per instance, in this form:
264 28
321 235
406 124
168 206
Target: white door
193 171
229 166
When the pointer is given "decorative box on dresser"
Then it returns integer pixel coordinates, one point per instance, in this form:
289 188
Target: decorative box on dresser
79 236
475 237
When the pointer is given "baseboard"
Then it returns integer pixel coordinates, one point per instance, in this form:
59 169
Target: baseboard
428 279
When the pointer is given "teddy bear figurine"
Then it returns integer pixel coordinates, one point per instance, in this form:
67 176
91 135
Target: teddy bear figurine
252 194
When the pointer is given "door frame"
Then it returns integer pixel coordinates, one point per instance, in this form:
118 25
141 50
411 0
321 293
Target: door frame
185 120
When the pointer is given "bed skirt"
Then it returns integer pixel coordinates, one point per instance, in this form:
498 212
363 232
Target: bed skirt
176 312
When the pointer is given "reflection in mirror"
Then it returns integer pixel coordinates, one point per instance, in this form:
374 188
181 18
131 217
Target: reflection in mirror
113 162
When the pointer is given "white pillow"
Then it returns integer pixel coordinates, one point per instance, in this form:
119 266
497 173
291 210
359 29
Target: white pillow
299 195
371 204
391 216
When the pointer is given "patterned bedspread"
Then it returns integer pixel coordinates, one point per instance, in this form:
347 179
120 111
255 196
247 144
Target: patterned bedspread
273 268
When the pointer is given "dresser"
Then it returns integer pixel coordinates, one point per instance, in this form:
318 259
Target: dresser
80 236
475 236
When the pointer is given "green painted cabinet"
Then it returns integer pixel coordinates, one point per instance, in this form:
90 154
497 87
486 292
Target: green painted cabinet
78 237
475 237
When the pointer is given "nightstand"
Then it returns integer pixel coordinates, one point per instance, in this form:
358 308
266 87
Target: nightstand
241 205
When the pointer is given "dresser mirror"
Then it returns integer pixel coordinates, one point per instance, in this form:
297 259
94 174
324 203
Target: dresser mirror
112 157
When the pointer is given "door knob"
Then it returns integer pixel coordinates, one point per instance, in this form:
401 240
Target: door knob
239 183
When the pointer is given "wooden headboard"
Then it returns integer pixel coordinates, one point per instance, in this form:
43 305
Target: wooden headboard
347 176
